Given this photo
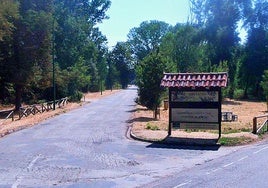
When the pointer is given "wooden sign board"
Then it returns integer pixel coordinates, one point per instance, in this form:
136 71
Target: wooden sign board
197 96
198 115
195 109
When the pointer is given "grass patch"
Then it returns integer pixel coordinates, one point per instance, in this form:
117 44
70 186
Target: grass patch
230 131
152 127
234 141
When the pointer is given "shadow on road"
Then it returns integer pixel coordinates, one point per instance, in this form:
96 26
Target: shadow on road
186 144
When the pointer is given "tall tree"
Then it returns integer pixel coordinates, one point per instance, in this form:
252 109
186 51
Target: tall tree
219 20
146 38
185 48
255 59
8 16
264 85
149 74
31 42
76 36
121 58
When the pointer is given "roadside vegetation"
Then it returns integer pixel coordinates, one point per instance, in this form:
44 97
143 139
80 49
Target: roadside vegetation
35 35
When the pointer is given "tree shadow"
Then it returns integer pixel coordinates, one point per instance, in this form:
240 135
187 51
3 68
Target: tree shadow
231 102
138 109
140 119
186 144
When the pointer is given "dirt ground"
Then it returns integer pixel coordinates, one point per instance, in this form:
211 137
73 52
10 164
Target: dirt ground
145 127
8 126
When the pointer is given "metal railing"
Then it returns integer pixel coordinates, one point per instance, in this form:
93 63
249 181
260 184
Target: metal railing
263 126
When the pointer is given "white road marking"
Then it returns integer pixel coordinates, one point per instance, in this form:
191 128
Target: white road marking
182 184
228 165
215 170
243 158
261 150
20 178
33 162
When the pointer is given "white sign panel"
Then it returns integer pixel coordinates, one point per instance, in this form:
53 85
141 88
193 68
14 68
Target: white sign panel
195 115
194 96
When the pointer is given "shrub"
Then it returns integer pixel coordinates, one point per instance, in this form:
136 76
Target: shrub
76 97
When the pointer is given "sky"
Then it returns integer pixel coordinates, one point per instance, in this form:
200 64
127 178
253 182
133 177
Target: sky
127 14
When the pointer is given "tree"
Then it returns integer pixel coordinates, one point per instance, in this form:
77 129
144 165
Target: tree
149 74
8 15
31 44
121 59
219 22
77 37
255 57
185 48
146 38
264 85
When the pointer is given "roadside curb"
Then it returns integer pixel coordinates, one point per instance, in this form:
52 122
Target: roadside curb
176 141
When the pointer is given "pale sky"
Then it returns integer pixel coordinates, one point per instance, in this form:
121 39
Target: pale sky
127 14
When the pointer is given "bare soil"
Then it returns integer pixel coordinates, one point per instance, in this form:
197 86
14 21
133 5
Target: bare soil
145 127
8 126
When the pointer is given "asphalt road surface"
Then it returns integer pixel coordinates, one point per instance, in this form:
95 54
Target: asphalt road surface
246 168
88 147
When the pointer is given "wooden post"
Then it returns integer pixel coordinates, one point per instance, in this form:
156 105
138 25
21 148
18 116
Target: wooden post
169 108
254 125
219 107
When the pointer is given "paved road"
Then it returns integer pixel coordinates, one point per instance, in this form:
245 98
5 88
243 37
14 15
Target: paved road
246 167
87 147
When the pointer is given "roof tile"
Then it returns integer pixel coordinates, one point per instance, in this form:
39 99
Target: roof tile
192 80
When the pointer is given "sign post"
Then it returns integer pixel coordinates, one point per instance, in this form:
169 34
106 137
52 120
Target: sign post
192 107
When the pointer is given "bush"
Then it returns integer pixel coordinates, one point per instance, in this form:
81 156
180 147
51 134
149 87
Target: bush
76 97
152 127
238 94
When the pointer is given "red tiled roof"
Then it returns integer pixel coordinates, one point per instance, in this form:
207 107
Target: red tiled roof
194 80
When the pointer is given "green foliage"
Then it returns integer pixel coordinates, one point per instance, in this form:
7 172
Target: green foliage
149 126
238 94
146 38
8 15
149 75
234 141
255 57
185 48
76 96
210 42
28 28
264 85
120 64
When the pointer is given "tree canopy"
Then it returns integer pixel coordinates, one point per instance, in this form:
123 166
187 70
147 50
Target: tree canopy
33 32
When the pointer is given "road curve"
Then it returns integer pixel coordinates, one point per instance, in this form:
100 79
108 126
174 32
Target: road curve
87 147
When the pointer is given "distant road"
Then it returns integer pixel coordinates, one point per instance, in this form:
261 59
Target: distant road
87 147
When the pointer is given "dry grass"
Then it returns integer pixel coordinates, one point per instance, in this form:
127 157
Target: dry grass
246 110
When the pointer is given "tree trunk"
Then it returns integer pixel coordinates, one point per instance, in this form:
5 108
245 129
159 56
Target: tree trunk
155 113
18 90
